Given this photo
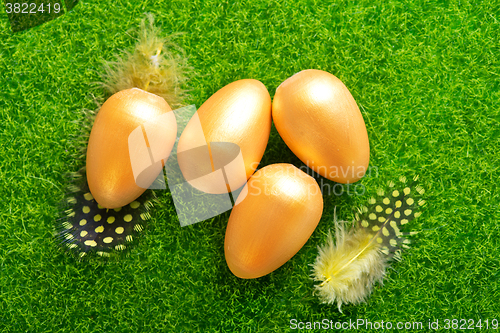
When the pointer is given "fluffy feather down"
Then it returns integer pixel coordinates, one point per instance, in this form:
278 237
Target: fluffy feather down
349 267
157 65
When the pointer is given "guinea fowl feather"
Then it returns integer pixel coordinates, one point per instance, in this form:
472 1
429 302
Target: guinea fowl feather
158 66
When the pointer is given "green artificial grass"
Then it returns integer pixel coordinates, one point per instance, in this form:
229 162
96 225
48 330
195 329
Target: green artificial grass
426 75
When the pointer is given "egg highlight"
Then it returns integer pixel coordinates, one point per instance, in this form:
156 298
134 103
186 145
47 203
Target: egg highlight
319 120
273 220
239 113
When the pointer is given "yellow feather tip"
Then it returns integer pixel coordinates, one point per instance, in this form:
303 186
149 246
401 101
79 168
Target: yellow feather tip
157 65
349 267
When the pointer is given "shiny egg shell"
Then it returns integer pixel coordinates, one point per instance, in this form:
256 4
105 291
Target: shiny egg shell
272 222
320 122
239 113
109 170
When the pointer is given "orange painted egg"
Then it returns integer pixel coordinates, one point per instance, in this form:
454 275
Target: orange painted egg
239 113
133 131
273 221
320 122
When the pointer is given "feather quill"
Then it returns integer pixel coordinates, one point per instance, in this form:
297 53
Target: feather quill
348 268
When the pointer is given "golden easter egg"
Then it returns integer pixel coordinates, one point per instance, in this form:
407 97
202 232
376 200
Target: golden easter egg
270 224
320 122
239 114
132 133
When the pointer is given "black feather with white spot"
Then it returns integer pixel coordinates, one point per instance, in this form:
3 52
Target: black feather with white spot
388 212
89 228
